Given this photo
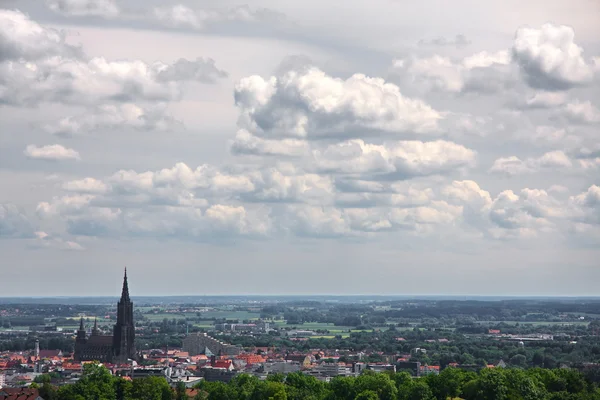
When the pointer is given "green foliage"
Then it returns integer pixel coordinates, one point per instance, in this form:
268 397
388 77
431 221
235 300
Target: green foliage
97 383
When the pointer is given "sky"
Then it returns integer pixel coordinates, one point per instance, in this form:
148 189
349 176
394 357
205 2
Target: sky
279 147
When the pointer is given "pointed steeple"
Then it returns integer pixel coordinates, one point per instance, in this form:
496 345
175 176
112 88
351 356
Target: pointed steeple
95 330
125 292
81 332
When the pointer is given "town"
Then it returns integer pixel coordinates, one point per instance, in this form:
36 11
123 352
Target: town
188 341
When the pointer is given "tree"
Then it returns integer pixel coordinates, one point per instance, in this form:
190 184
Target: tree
342 388
151 388
448 383
419 390
490 385
379 383
301 386
48 392
367 395
180 391
518 360
96 383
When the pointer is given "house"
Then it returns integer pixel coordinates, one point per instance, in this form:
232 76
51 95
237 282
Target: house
251 358
224 364
19 394
429 369
303 359
51 354
494 331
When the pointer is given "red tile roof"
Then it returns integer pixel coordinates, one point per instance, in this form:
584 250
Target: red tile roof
19 394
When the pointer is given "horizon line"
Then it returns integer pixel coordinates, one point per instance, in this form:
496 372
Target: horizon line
312 294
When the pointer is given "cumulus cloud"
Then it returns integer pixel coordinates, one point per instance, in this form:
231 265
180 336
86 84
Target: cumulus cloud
23 38
39 66
202 70
579 112
14 223
550 59
80 8
549 136
509 214
310 104
586 206
482 72
515 166
113 117
86 186
394 160
53 152
246 143
587 157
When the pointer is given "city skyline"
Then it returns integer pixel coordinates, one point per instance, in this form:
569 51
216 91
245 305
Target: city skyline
225 148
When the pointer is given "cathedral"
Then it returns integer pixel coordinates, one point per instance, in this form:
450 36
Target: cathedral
118 348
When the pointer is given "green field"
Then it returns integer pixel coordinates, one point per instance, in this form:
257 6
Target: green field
343 335
239 315
536 323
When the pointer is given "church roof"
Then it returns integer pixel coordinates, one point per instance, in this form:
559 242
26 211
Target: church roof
100 340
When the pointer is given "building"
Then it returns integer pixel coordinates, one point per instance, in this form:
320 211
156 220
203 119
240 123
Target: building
118 348
20 394
201 343
331 369
303 359
281 367
2 380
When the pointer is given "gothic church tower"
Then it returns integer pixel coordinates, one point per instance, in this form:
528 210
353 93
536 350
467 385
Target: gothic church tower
124 330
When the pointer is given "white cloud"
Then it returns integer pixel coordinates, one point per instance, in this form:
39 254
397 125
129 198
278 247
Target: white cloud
53 152
94 80
588 157
309 104
179 16
72 204
38 66
13 222
508 215
22 38
45 240
579 112
86 186
114 117
550 59
543 99
182 16
80 8
586 206
246 143
549 135
397 160
515 166
481 72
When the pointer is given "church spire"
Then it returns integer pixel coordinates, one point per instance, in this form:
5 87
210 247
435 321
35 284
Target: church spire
95 330
125 292
81 324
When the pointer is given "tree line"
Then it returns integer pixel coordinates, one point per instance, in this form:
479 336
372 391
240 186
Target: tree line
98 383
